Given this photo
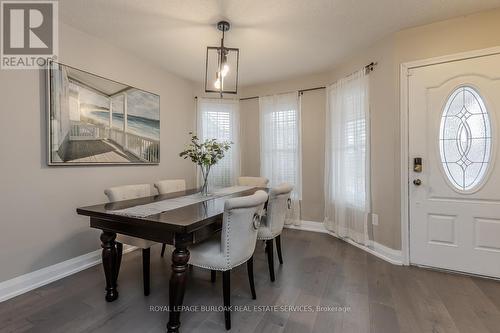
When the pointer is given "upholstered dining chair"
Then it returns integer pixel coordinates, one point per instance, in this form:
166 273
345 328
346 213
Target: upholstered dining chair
253 181
235 245
128 192
169 186
272 223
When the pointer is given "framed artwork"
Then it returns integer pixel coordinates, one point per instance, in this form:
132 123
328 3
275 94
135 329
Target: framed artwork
96 121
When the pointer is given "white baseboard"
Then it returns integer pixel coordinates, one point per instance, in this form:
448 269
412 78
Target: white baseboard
379 250
24 283
309 226
391 255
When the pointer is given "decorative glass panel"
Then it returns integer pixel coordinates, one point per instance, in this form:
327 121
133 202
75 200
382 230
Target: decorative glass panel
465 139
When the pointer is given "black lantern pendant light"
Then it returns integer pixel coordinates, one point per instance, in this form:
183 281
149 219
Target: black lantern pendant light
221 73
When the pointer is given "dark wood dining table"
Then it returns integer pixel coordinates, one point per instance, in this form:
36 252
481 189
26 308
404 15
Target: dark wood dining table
179 227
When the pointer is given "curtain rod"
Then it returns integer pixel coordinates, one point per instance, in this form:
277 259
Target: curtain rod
368 68
218 98
299 91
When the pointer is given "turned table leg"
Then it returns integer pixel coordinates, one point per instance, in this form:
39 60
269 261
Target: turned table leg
109 262
178 279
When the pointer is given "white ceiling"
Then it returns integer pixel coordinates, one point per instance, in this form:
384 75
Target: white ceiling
277 38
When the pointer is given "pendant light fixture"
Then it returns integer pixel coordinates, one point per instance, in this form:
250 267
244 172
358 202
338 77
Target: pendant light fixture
221 72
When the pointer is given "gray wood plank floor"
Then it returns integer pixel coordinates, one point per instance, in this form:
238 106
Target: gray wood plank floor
318 270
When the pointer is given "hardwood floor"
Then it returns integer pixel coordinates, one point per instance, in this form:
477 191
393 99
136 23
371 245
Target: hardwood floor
318 270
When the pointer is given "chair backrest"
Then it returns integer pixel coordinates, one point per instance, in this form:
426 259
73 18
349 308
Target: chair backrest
239 227
253 181
127 192
170 186
277 207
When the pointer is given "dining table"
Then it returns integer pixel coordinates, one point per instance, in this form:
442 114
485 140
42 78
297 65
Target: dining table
179 219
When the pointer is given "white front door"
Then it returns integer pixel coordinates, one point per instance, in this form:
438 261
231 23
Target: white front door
454 113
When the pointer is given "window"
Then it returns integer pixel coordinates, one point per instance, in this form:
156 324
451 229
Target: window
280 139
347 158
284 148
280 146
219 119
465 139
354 152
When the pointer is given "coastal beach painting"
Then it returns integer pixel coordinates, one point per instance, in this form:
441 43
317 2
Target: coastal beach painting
94 120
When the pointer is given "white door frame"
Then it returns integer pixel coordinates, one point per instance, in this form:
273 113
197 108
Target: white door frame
404 128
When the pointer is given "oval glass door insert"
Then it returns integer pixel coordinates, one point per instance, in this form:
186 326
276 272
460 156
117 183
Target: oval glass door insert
465 139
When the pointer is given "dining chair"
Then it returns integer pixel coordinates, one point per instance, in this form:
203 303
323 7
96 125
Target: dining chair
169 186
235 245
273 221
253 181
128 192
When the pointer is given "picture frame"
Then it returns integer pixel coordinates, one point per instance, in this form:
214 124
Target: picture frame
92 120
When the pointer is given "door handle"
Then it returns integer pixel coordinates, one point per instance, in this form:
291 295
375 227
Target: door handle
417 182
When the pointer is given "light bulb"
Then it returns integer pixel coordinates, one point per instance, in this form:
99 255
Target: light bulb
217 84
225 70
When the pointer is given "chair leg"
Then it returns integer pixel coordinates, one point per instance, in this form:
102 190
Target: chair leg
270 258
119 253
145 269
250 277
163 249
213 275
278 248
226 286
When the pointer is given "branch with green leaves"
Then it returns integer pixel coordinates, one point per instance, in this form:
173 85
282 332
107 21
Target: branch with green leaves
206 153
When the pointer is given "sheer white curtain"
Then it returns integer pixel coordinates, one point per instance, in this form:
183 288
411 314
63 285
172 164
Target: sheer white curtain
347 158
280 146
219 119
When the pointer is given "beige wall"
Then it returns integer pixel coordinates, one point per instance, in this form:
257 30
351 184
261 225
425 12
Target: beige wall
313 154
250 139
38 223
471 32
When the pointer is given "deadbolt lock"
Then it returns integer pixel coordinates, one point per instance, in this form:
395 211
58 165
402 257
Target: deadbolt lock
417 164
417 182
